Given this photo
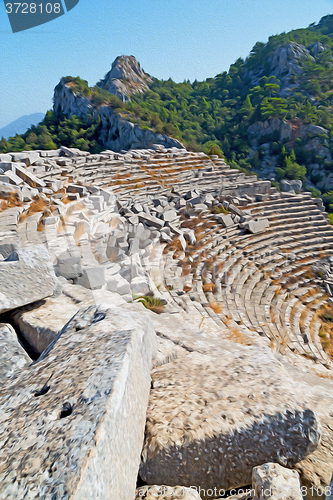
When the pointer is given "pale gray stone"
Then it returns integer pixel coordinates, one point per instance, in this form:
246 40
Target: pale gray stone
228 400
92 277
256 226
68 265
273 482
13 357
149 220
79 412
118 284
26 276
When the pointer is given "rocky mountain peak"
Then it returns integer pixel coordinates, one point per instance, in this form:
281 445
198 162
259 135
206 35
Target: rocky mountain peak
287 60
125 78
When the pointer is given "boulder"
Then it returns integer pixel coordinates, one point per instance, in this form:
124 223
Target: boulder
118 284
256 226
290 186
140 285
273 482
212 417
26 276
68 265
225 220
72 424
13 357
92 277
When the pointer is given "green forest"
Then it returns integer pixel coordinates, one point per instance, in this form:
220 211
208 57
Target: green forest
213 115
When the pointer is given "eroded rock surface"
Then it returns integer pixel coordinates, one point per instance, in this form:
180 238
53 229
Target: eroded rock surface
212 418
72 424
13 357
26 276
271 481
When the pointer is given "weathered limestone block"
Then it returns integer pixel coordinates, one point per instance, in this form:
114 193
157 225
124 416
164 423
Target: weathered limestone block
212 418
150 220
26 276
41 322
290 186
92 277
72 425
68 264
256 226
271 481
226 220
166 493
13 357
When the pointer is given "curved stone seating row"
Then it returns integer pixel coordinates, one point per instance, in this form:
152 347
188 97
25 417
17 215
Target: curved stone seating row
260 281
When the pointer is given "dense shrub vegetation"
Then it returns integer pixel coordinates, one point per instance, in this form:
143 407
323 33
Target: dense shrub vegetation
214 115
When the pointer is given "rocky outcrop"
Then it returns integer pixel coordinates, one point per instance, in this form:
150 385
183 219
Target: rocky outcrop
285 62
116 132
73 423
125 78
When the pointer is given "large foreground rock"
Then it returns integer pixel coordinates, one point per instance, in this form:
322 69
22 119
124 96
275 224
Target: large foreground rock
26 276
13 357
72 424
273 482
213 417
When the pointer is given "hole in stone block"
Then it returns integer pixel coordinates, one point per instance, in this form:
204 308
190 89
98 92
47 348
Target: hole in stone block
66 411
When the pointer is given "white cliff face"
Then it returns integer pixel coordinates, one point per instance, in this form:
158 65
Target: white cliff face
126 78
116 132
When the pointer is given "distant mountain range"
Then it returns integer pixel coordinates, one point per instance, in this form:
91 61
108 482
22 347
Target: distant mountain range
21 125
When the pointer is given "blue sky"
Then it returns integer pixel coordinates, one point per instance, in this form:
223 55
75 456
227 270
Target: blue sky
181 39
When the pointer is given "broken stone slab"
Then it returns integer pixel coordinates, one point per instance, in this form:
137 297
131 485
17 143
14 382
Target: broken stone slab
235 210
149 220
72 152
140 285
26 276
117 284
39 323
219 417
68 265
13 357
169 215
80 411
29 157
290 186
91 277
166 493
12 178
5 158
74 188
8 248
256 226
26 176
225 220
273 482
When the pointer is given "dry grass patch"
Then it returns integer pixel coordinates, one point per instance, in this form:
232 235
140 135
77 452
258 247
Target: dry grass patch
208 287
217 308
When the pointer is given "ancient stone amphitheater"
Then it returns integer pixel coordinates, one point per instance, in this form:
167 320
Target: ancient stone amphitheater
223 378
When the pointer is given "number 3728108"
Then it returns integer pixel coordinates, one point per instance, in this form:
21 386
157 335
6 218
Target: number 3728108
32 8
